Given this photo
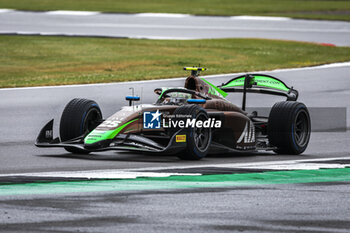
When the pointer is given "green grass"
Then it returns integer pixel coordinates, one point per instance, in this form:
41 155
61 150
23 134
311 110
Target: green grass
314 9
35 60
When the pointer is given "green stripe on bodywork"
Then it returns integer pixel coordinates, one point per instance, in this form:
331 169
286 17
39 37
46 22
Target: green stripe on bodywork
224 94
181 182
262 81
96 136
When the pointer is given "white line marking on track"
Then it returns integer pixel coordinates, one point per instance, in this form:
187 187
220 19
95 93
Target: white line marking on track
6 10
296 166
55 33
78 13
334 65
307 164
271 164
160 15
326 66
100 174
169 15
24 33
272 18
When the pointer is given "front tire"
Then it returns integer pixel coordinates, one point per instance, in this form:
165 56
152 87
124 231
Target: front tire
198 139
289 127
79 117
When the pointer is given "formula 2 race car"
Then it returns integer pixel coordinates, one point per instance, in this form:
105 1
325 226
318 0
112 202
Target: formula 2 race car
189 121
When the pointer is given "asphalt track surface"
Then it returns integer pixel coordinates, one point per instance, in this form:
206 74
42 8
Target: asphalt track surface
320 207
173 26
312 207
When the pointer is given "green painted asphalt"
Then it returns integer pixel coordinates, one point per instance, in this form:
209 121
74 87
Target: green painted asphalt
180 182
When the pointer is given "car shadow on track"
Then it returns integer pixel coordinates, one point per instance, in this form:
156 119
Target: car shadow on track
152 158
121 156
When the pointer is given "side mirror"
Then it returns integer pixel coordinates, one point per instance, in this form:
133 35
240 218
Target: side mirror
196 101
132 98
158 91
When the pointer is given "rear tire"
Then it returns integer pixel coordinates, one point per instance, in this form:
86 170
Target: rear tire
198 140
79 117
289 127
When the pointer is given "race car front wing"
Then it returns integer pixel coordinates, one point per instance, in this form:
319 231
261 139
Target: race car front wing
130 142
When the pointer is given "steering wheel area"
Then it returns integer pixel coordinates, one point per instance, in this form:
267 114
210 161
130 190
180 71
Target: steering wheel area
176 96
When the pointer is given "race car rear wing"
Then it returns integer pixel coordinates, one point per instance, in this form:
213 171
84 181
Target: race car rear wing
259 83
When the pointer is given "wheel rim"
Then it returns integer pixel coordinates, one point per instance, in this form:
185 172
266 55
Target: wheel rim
301 129
92 120
201 135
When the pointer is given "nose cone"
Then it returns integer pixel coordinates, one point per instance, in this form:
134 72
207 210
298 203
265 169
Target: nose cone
95 138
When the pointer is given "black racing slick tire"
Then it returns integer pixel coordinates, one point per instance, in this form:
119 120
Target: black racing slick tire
79 117
289 127
198 140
